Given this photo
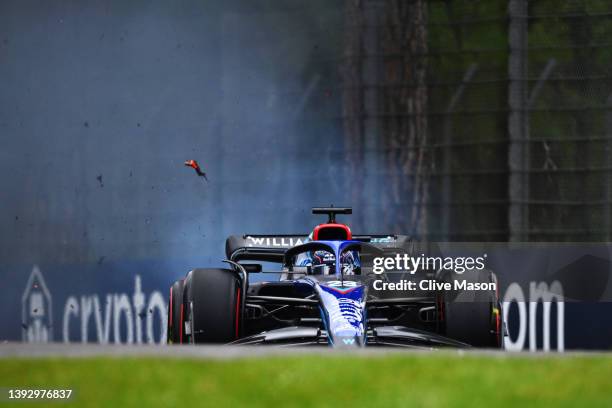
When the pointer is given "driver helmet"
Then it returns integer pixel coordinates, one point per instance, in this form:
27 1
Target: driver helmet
323 262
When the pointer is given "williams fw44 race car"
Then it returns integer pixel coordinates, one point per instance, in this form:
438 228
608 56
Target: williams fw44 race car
320 289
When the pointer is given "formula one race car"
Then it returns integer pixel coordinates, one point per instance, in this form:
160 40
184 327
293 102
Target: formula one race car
324 292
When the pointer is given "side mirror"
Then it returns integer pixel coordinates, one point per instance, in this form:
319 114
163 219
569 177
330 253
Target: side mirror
252 267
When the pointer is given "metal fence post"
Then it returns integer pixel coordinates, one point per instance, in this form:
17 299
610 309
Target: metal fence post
371 76
608 177
448 133
518 189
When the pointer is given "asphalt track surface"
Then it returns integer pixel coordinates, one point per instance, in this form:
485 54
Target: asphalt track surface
79 350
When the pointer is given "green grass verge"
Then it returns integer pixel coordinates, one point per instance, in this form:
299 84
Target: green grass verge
403 380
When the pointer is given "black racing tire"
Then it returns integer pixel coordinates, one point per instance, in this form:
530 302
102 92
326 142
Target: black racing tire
472 317
212 303
175 303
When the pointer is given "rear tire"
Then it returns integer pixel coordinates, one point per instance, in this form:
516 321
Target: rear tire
212 304
175 303
473 317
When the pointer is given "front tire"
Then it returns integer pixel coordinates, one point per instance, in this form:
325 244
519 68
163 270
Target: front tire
212 302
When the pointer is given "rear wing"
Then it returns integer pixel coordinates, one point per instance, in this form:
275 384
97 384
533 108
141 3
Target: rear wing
271 248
